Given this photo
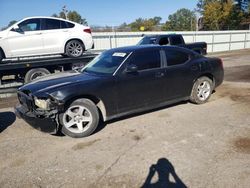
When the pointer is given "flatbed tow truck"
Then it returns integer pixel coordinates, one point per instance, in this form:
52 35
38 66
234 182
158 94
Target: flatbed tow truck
16 72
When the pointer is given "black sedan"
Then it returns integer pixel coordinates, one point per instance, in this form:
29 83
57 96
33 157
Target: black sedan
116 83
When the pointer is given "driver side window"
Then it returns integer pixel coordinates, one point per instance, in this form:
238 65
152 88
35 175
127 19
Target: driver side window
145 60
30 25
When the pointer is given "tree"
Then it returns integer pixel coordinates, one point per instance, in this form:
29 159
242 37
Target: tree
182 20
137 24
9 24
147 24
221 15
72 16
235 16
202 3
76 17
124 27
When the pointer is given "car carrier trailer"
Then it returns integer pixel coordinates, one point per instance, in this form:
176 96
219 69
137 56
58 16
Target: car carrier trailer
26 70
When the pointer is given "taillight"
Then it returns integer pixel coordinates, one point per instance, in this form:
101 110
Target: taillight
221 62
87 31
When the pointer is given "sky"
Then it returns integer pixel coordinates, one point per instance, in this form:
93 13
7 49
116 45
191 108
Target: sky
96 12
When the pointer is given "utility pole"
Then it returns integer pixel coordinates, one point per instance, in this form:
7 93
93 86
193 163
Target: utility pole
191 29
65 11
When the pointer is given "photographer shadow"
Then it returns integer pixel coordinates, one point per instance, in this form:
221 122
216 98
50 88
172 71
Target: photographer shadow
6 120
164 169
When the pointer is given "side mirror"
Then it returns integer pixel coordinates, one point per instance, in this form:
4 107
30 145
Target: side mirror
131 68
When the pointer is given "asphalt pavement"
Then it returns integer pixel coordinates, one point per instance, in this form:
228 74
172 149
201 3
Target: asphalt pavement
180 145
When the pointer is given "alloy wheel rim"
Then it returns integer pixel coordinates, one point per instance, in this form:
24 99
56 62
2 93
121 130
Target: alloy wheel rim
77 119
37 75
75 49
203 90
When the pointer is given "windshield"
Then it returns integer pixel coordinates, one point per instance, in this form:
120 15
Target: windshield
106 63
147 40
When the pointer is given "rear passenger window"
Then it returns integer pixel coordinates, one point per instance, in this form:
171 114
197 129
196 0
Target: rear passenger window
146 59
70 25
164 41
66 25
63 25
51 24
175 57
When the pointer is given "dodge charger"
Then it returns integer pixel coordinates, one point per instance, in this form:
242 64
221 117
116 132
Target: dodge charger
117 83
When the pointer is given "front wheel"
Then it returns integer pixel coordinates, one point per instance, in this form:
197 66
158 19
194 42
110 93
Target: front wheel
80 119
202 90
74 48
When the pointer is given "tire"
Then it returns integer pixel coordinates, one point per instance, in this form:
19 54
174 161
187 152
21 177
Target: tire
202 90
74 48
80 119
34 74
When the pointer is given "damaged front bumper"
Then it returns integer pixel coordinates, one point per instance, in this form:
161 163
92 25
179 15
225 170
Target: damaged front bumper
43 123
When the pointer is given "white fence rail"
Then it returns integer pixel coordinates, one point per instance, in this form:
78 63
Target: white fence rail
217 41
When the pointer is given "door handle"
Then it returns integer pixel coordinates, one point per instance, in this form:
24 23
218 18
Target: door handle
159 74
65 30
38 33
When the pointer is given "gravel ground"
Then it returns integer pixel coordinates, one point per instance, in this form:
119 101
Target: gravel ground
180 145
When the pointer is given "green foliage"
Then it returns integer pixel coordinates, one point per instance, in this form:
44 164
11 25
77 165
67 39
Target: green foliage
72 16
123 27
76 17
10 24
182 20
221 15
201 4
148 24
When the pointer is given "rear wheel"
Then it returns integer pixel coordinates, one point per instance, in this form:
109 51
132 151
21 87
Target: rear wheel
202 90
80 119
34 74
74 48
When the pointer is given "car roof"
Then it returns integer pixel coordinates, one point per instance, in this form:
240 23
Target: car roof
50 17
160 35
128 49
133 48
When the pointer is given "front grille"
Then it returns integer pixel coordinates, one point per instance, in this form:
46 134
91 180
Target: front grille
25 100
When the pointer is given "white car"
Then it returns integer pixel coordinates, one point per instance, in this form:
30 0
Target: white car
45 35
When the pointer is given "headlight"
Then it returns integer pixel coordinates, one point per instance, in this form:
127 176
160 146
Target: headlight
41 103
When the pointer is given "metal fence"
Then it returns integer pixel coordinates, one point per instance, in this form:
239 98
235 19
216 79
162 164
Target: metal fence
217 41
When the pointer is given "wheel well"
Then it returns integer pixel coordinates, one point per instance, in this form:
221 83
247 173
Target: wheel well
71 40
98 102
1 50
210 76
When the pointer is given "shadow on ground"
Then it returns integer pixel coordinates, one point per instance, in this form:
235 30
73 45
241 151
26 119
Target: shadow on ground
6 120
163 168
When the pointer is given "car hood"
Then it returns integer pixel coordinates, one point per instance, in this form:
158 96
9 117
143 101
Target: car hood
3 33
51 83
